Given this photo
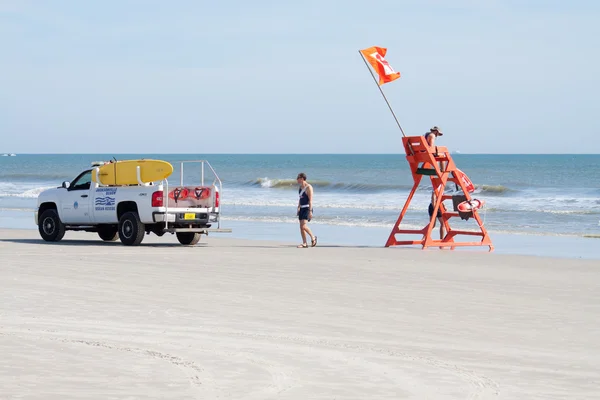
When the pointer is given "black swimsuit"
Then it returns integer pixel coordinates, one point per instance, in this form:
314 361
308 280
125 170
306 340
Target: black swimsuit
304 204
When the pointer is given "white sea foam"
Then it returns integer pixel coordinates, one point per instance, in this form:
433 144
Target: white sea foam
387 202
319 205
9 189
17 209
384 202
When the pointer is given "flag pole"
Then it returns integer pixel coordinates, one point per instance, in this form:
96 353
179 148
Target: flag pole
385 98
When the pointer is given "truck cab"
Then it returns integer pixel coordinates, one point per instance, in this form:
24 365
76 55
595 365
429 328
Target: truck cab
75 199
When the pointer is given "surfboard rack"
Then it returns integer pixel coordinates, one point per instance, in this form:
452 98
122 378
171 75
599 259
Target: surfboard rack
437 163
138 175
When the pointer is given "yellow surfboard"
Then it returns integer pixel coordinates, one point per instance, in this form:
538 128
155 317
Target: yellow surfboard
125 172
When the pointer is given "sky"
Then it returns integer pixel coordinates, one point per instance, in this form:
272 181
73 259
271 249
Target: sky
200 77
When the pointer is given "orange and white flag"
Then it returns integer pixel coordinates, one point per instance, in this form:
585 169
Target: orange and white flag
375 57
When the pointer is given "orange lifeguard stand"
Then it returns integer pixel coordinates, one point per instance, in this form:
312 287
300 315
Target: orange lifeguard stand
425 160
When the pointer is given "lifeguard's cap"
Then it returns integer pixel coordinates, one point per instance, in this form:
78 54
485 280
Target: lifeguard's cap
436 129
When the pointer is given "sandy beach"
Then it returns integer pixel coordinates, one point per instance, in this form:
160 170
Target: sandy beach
242 319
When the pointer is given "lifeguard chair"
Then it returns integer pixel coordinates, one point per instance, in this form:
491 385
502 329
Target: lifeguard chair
437 163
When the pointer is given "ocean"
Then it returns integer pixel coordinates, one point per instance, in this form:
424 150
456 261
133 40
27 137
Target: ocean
543 195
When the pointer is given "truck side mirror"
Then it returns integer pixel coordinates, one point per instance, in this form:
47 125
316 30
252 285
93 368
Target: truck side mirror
65 184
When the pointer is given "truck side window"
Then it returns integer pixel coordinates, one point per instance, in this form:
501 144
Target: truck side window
82 182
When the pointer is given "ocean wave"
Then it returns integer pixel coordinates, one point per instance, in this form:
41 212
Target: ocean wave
25 193
274 183
35 176
283 183
366 187
482 189
497 190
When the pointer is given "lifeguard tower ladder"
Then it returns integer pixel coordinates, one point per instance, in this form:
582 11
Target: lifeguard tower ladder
425 160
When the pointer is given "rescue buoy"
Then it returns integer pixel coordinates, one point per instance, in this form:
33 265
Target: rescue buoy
178 194
470 205
201 193
465 180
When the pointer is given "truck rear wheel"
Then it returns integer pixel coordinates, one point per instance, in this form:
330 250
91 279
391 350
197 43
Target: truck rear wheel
188 238
131 229
50 226
108 233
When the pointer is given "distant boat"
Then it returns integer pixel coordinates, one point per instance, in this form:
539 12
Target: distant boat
12 154
8 155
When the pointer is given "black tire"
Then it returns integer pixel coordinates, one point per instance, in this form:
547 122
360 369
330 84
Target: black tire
188 238
131 229
50 226
108 233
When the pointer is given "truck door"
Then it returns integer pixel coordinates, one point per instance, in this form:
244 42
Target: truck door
75 204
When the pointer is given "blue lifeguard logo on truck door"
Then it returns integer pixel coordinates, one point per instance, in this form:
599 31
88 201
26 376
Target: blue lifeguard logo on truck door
105 199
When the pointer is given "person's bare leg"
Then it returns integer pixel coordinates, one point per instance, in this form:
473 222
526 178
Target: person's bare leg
302 232
307 230
442 229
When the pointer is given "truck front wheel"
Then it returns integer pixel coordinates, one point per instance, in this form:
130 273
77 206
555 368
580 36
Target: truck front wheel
50 226
188 238
131 229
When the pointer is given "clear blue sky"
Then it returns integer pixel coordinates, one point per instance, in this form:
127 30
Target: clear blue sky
262 76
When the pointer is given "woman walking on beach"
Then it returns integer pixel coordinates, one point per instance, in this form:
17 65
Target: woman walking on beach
305 209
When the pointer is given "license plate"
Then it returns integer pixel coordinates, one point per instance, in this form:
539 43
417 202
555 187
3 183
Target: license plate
189 216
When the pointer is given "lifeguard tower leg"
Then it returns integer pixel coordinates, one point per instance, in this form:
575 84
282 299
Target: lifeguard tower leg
392 238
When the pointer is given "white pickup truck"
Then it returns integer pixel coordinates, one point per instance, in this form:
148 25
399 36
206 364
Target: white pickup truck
128 212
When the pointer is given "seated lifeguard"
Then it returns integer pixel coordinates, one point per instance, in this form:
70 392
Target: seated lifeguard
432 134
430 138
